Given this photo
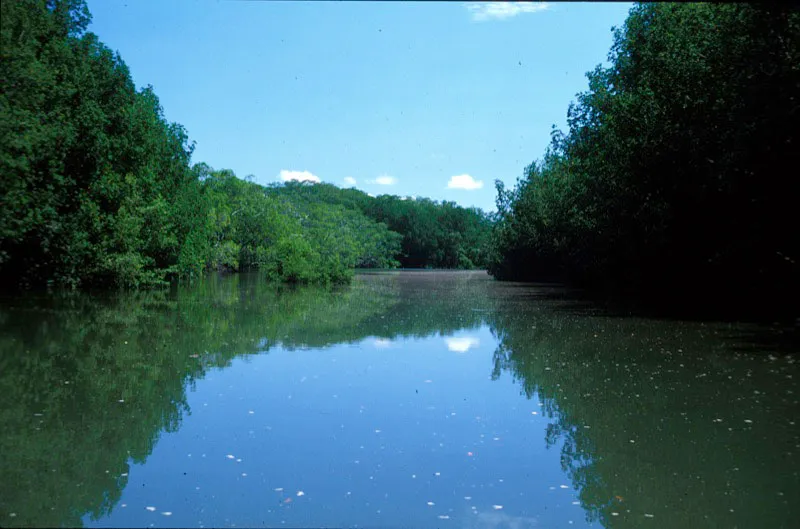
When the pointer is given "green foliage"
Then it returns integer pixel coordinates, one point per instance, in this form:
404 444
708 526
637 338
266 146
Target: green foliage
91 170
97 187
672 175
434 234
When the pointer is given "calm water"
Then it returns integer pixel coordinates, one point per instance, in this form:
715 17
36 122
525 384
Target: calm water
410 399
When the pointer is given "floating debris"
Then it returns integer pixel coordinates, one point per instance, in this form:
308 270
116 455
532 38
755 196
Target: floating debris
648 515
167 513
437 474
251 412
300 493
467 498
229 456
444 517
748 421
497 507
279 489
470 454
534 413
431 504
614 514
563 486
151 509
244 474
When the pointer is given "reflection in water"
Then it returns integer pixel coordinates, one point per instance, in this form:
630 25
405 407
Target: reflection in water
461 344
647 418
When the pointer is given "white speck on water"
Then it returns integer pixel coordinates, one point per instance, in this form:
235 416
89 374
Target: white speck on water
497 507
230 456
563 486
614 514
648 515
431 504
238 460
121 400
124 474
413 476
244 474
251 412
748 421
167 513
151 509
124 505
437 473
300 493
428 381
377 431
467 498
279 489
444 517
12 515
633 441
495 439
534 413
576 503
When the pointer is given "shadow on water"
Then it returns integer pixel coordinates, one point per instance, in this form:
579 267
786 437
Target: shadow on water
752 331
690 422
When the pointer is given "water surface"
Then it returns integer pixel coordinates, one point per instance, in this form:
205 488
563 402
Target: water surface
409 399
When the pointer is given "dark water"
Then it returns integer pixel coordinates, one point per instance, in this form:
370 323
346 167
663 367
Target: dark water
410 399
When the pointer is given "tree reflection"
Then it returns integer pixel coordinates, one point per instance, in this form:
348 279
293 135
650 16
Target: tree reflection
88 383
669 420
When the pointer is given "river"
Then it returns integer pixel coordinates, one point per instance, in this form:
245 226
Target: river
407 399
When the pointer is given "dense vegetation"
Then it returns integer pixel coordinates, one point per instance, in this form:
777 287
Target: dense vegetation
671 183
434 234
98 188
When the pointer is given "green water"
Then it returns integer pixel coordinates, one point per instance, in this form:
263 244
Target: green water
409 399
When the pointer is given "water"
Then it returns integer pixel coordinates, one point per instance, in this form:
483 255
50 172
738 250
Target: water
410 399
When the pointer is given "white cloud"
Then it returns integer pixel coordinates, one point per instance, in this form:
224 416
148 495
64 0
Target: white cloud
381 343
464 181
461 344
501 10
349 180
300 176
384 180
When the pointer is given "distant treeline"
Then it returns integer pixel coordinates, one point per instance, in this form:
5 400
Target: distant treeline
98 189
676 181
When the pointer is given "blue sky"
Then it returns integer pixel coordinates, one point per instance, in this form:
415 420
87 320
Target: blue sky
392 97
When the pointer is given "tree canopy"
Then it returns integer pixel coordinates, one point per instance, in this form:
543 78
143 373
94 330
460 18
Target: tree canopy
671 182
98 188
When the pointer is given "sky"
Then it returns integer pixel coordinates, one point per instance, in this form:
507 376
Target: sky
433 99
